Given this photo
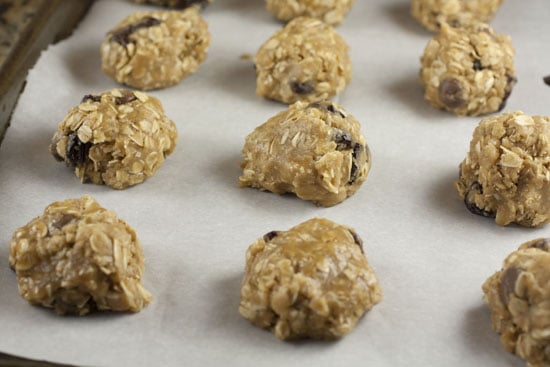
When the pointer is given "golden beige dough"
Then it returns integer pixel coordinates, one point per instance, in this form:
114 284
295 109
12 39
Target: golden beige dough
79 257
519 298
177 4
468 71
433 13
329 11
118 138
155 49
506 173
305 61
314 150
312 281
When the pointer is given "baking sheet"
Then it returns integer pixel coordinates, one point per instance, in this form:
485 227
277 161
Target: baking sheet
430 253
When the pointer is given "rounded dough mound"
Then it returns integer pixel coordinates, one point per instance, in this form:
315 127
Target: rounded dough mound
506 173
312 281
118 138
331 11
468 71
305 61
314 150
155 49
433 13
79 257
519 298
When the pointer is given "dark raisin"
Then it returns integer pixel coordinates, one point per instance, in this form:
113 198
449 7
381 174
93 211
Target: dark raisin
122 36
302 88
327 107
53 148
270 235
60 223
450 93
343 140
77 151
182 4
4 6
357 148
357 239
477 65
510 82
508 283
469 201
127 97
542 244
91 97
546 80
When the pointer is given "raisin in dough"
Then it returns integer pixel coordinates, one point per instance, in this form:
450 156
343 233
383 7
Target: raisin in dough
305 61
506 173
156 49
468 71
118 138
312 281
331 11
519 299
176 4
433 13
313 150
78 257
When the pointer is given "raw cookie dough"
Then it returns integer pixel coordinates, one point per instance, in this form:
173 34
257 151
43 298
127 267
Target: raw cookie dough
79 257
468 71
118 138
519 299
155 49
433 13
506 173
313 150
312 281
305 61
331 11
177 4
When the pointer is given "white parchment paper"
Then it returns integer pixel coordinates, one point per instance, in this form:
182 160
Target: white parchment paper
430 253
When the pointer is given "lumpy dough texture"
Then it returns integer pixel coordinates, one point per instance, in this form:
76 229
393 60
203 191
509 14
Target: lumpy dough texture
433 13
506 173
313 150
177 4
79 257
312 281
118 138
519 299
156 49
468 71
331 11
305 61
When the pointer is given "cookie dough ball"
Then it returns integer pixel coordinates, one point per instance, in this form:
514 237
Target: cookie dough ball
118 138
506 173
433 13
331 11
79 257
305 61
468 71
519 299
155 49
312 281
177 4
313 150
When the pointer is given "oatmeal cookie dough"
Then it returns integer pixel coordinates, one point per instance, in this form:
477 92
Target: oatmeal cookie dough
305 61
79 257
433 13
314 150
506 173
468 71
176 4
118 138
155 49
312 281
519 299
331 11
